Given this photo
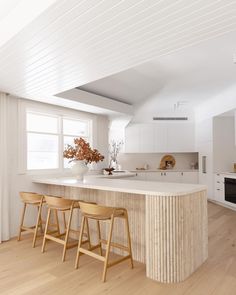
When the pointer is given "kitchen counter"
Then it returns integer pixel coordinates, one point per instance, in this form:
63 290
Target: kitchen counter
168 221
231 174
115 174
115 184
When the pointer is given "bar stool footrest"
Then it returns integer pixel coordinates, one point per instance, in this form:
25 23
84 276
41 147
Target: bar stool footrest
119 260
116 245
94 255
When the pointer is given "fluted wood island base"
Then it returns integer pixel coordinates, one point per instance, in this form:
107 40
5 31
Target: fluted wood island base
168 222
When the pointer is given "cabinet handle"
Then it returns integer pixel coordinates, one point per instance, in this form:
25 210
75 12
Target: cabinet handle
182 173
165 174
218 189
218 182
161 173
204 164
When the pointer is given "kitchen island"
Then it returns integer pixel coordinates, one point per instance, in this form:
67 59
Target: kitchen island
168 221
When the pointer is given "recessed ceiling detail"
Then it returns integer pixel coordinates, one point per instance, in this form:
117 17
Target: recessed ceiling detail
76 42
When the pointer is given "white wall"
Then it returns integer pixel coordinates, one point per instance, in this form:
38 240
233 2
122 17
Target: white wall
22 182
133 161
164 104
225 101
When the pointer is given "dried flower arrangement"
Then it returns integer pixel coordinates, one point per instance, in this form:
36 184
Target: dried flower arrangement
82 151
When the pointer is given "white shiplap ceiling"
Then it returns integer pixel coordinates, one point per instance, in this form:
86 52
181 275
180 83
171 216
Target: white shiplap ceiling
192 74
75 42
16 14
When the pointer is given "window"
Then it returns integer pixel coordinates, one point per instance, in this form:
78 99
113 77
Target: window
47 136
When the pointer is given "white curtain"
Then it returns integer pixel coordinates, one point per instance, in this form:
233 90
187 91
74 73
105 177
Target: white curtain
4 185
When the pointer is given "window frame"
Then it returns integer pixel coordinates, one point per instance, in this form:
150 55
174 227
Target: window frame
60 113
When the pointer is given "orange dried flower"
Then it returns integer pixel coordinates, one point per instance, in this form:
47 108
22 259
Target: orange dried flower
82 151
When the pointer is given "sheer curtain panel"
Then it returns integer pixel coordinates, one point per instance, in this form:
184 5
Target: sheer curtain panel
4 185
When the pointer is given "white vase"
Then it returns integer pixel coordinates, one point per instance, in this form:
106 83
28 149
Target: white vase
79 169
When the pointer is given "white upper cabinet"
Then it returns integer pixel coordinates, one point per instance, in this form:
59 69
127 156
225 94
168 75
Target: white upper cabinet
181 137
160 137
147 138
132 138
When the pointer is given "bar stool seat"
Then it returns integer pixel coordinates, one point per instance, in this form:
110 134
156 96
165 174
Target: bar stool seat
103 213
60 204
33 199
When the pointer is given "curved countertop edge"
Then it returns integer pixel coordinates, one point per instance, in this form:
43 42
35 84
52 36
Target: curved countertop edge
125 185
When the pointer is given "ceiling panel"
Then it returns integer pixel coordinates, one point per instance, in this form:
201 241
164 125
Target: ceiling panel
6 7
17 14
76 42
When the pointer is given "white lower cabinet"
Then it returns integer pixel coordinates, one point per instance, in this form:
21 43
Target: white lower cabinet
172 176
139 176
189 177
168 176
219 189
154 176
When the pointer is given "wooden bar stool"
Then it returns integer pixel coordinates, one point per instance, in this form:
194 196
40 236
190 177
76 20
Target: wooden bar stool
102 213
63 205
36 200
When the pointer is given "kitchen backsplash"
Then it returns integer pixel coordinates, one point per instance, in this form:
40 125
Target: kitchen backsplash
133 161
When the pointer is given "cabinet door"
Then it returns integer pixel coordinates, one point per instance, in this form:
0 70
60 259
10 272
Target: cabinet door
181 137
154 176
219 193
139 176
171 176
160 137
206 176
189 177
147 138
132 138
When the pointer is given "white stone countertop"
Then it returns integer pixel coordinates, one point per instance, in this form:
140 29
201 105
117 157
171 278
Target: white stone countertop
125 185
231 174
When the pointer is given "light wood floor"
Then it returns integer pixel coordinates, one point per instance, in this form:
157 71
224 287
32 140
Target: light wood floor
24 270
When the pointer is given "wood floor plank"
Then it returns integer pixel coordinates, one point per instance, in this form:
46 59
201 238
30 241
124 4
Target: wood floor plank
24 270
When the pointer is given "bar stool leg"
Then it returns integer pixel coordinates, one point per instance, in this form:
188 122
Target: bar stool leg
46 230
129 240
41 223
108 250
67 235
21 222
80 242
99 236
88 233
57 222
64 220
37 225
